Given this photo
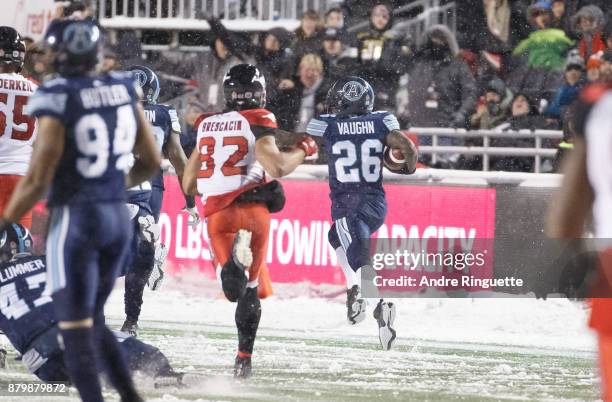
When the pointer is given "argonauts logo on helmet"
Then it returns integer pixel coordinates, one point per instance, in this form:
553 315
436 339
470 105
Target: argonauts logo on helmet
81 38
353 90
140 76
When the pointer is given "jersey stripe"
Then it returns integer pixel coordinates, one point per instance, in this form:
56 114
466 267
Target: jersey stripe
316 127
391 122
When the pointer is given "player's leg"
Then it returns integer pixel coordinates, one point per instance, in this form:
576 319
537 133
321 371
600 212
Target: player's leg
72 277
143 248
113 254
355 304
45 358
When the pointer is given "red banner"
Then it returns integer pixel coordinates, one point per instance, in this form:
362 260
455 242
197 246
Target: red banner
298 248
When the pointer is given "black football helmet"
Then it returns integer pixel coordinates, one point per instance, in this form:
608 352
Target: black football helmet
244 87
12 48
15 242
75 45
148 81
350 96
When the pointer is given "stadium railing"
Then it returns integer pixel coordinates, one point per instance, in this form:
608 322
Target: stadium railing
246 15
539 151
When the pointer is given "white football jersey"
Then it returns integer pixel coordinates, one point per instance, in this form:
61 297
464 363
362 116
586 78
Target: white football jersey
17 128
227 151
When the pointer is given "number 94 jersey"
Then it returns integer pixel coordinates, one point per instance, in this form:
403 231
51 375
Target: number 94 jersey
99 116
355 146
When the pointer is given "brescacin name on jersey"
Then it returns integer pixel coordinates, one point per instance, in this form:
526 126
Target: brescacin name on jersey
16 85
17 269
356 127
232 125
107 95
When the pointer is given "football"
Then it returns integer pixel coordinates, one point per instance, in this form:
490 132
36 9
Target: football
394 159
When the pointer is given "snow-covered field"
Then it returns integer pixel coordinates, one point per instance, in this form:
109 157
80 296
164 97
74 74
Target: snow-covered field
447 349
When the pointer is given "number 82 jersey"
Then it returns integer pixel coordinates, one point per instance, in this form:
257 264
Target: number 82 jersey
355 146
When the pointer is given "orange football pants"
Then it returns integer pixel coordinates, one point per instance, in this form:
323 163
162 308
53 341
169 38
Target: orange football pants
8 182
222 228
601 321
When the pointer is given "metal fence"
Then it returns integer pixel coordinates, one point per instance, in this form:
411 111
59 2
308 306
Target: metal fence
245 15
538 151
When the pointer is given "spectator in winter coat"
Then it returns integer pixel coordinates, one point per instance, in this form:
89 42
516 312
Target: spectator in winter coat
335 59
382 56
296 103
441 88
592 69
334 19
524 116
560 19
568 91
309 34
273 57
588 24
495 107
545 47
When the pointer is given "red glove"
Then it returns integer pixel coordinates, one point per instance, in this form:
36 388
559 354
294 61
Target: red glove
308 145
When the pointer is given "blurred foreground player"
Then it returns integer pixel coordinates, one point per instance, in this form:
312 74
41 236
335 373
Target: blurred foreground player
234 150
145 200
17 128
88 127
355 139
587 188
28 321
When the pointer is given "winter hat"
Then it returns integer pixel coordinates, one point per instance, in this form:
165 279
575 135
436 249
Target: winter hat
590 11
282 35
538 7
331 34
593 63
574 61
497 86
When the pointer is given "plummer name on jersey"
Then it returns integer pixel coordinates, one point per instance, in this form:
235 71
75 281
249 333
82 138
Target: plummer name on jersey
108 95
356 127
8 273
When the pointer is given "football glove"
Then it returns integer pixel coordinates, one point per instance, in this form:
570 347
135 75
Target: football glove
308 145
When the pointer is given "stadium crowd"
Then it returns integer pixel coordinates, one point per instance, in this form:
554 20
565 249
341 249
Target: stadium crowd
517 65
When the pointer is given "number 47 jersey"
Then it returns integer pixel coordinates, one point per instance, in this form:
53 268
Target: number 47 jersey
17 128
355 146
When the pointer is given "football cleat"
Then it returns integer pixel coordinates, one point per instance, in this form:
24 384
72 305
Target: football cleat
355 305
171 380
157 274
241 250
242 367
130 327
384 313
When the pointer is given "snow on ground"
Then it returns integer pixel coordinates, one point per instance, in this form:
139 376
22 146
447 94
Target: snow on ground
447 349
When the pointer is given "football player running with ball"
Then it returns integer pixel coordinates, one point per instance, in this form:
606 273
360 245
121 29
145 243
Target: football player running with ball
358 142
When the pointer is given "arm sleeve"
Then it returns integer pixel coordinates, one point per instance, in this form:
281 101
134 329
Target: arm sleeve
391 122
260 131
49 100
316 127
174 120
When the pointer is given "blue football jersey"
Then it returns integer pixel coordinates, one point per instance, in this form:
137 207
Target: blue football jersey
25 311
355 146
99 116
164 121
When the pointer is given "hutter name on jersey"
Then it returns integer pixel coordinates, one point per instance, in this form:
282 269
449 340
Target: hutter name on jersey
356 127
108 95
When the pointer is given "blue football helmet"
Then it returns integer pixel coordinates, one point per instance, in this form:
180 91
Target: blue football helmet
15 242
350 96
148 81
75 45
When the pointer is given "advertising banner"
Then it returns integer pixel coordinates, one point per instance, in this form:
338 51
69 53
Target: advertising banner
298 249
30 18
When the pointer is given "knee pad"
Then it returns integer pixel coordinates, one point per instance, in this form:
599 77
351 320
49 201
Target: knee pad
233 281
